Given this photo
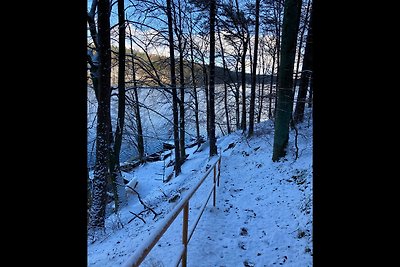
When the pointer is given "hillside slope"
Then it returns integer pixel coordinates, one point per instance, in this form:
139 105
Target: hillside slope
263 215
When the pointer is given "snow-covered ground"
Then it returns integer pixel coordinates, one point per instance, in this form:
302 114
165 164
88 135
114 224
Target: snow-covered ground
263 215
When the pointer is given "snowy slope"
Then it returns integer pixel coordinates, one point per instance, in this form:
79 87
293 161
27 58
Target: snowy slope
263 215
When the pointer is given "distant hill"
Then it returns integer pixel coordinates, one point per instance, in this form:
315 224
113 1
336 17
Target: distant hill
145 74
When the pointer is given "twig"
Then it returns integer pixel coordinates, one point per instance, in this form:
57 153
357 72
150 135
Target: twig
136 216
146 207
141 201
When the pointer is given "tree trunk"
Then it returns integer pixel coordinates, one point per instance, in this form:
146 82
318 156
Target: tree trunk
101 169
116 176
178 32
300 45
173 87
243 125
139 139
196 100
237 96
277 12
254 73
206 85
225 83
271 85
305 77
261 94
213 147
285 93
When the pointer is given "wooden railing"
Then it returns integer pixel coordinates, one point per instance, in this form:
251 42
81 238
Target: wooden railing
137 258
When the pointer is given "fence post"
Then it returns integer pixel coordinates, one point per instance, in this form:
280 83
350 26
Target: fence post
185 233
214 185
219 170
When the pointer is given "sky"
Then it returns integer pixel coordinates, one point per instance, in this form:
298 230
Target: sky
157 47
263 215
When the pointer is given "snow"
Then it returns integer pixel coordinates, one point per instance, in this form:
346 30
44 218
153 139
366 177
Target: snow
263 213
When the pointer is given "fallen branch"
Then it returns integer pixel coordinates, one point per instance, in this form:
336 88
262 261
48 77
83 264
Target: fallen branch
136 216
146 207
141 202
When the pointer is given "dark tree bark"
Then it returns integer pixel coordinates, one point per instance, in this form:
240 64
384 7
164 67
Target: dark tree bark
261 92
101 169
226 73
278 24
237 97
243 125
139 138
285 92
254 73
116 176
140 141
206 90
179 34
213 147
305 76
173 89
271 85
92 58
303 29
196 100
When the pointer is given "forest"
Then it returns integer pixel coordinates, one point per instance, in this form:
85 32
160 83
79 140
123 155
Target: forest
172 85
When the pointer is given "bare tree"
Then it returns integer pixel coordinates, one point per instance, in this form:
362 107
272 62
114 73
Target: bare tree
116 176
181 47
173 88
254 74
196 100
213 147
306 75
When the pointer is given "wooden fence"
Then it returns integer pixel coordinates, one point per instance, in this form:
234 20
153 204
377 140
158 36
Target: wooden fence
137 258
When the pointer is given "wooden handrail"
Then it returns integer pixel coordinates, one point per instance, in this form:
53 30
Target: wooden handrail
139 255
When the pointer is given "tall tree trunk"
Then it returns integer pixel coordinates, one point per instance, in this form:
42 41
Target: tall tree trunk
305 77
263 69
285 92
261 100
271 85
139 139
178 32
119 191
101 169
225 83
206 85
303 29
243 125
173 87
196 100
277 12
237 96
213 146
254 73
261 94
